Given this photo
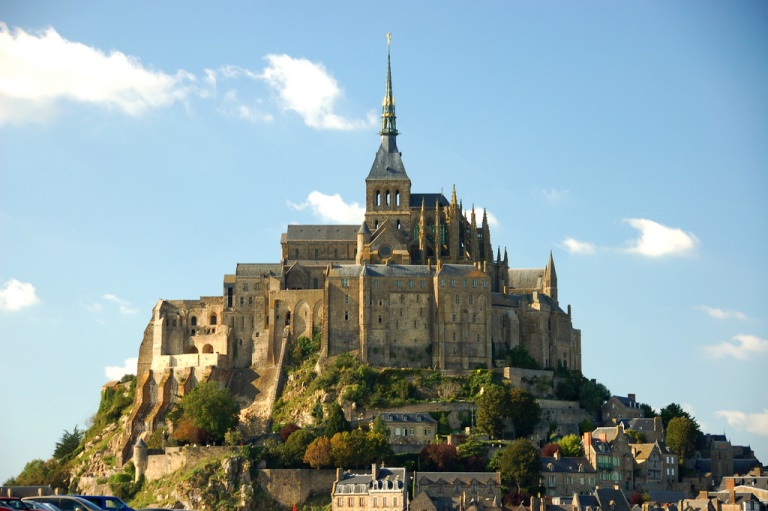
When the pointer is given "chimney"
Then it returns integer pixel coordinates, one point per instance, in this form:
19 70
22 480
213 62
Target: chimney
374 472
631 397
557 454
730 485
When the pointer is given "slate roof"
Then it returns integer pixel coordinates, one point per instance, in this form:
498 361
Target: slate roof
465 478
405 417
389 474
322 232
607 495
460 270
429 199
637 424
565 464
381 270
525 278
666 496
387 165
258 269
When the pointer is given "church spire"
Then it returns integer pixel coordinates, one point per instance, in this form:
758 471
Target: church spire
388 118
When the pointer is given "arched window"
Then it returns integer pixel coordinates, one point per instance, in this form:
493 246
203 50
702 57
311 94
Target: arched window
207 348
288 318
397 197
193 321
387 199
191 350
378 198
213 319
398 224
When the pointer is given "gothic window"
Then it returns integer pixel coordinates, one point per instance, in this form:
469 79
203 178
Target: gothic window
474 283
379 318
193 321
378 198
193 331
375 282
398 224
397 198
288 318
453 282
375 224
213 319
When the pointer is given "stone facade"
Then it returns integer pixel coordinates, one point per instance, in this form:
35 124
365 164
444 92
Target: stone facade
416 284
384 489
454 491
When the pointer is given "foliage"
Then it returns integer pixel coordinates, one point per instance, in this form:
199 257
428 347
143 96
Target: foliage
295 447
115 401
438 457
379 426
673 410
524 411
359 448
637 436
123 486
681 436
473 455
157 439
185 431
593 395
42 473
287 430
519 357
570 445
318 453
493 405
586 426
68 444
210 408
519 465
336 422
648 411
479 379
234 437
550 449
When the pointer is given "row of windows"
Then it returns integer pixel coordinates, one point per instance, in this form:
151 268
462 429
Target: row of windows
410 431
466 282
350 501
411 283
316 253
388 197
256 286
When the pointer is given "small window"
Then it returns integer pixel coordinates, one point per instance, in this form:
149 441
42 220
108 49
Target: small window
375 282
345 282
474 283
346 298
422 284
250 300
442 282
245 287
242 300
296 255
458 300
346 315
399 283
317 253
193 321
335 253
213 319
411 283
453 282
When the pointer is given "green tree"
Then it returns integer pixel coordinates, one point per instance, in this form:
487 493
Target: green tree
673 410
519 465
681 437
524 411
295 447
68 444
593 395
378 446
210 408
379 426
570 445
493 405
648 411
637 436
586 426
519 357
336 422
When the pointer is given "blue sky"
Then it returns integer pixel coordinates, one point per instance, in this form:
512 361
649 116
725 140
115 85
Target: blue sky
146 148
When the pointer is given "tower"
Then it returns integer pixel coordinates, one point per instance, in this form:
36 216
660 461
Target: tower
388 187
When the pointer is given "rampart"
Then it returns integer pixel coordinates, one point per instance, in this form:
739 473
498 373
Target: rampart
293 486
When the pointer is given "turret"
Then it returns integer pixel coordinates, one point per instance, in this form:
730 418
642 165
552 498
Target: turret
363 240
550 278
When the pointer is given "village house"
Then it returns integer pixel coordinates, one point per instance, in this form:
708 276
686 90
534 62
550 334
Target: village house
384 489
566 476
457 491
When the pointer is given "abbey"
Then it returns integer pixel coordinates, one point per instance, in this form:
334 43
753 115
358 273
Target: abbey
416 284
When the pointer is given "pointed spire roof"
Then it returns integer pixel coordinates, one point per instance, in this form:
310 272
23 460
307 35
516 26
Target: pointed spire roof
388 163
551 268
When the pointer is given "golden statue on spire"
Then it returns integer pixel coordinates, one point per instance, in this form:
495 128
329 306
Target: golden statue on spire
389 38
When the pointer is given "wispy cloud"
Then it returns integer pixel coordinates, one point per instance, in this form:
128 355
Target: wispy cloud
751 422
575 246
741 346
308 89
657 240
721 313
331 208
40 70
552 195
16 295
123 306
116 372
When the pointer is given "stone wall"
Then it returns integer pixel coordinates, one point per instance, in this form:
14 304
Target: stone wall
293 486
160 465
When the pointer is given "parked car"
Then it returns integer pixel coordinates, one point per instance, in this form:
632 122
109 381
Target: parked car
14 503
66 502
106 502
44 506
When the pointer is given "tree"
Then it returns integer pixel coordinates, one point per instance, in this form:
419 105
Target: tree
570 445
295 447
637 436
185 431
550 449
210 408
493 405
336 422
673 410
648 411
472 455
68 444
378 445
519 357
438 457
379 426
288 430
524 411
318 453
519 465
681 436
593 395
586 426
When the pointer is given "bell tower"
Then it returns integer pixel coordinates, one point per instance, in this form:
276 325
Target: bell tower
388 187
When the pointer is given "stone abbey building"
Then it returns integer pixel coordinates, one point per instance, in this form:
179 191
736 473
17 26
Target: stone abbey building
416 284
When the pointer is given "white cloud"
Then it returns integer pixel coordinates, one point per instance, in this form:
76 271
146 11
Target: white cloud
658 240
722 314
553 195
742 347
331 208
308 89
575 246
124 306
751 422
116 372
493 221
16 295
39 70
